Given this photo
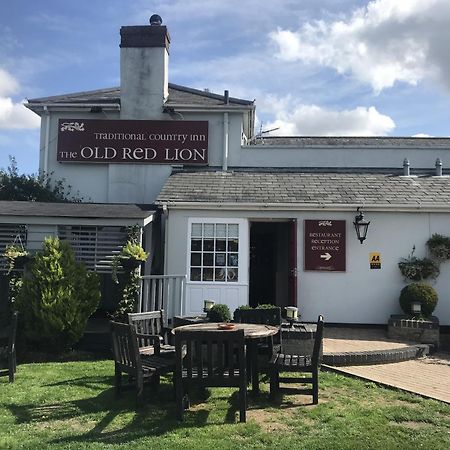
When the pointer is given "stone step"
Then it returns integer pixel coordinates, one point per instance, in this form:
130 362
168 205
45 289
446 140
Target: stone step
376 356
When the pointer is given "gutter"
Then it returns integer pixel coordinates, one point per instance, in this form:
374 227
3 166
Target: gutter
45 106
212 108
419 207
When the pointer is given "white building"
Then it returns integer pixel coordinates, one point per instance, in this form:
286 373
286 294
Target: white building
249 219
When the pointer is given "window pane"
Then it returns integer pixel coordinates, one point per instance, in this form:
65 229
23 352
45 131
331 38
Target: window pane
208 229
233 245
220 259
208 259
220 245
196 230
220 274
232 275
233 231
207 275
221 230
208 245
196 245
233 259
196 274
196 259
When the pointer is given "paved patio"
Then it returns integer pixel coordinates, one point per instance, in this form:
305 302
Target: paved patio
428 376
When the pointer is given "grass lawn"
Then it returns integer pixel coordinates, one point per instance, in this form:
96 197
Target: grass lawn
73 405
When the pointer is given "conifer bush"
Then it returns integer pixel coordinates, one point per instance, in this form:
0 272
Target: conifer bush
57 297
419 292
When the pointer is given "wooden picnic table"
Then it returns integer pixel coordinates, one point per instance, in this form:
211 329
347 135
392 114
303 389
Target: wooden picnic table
252 333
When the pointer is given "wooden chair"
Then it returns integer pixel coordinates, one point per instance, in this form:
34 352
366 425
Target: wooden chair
151 333
301 364
127 359
8 346
262 316
210 359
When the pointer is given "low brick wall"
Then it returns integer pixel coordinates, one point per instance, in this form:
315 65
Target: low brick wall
415 330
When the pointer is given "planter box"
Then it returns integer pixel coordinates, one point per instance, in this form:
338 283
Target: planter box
415 330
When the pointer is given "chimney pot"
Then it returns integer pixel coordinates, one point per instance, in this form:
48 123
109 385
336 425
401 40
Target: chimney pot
155 20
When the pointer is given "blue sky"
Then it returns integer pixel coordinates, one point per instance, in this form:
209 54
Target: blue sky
315 67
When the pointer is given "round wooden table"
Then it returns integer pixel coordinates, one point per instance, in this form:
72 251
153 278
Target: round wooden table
252 333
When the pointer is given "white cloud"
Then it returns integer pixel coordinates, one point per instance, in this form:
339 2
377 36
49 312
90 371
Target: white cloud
385 42
13 115
8 85
312 120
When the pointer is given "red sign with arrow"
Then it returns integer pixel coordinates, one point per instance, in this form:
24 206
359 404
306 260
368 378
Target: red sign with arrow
325 245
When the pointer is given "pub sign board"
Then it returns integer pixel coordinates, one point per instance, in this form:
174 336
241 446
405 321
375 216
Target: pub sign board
133 141
325 245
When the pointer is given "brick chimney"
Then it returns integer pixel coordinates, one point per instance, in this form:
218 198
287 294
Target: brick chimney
144 62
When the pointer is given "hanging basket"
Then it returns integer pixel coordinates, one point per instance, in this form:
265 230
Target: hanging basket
130 264
21 261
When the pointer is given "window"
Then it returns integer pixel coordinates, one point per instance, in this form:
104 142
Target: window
214 252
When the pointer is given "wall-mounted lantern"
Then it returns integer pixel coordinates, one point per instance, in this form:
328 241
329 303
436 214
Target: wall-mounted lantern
361 226
416 308
207 305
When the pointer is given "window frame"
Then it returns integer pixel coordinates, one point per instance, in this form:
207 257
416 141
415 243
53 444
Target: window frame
241 267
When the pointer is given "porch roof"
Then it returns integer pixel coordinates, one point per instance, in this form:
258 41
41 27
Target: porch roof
77 213
305 190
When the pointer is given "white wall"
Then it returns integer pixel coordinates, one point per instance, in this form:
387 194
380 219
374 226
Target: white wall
128 183
359 295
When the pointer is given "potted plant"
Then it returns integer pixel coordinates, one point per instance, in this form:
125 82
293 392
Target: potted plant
16 256
219 313
131 256
439 247
421 293
417 269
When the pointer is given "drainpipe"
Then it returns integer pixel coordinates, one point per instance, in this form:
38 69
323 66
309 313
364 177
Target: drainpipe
46 139
226 126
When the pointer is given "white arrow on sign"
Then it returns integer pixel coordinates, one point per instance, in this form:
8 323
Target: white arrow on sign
326 257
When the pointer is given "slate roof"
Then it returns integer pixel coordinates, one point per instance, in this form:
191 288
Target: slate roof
76 210
177 95
396 142
261 188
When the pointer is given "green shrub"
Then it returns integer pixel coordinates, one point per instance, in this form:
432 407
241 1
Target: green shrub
419 292
266 306
219 313
57 297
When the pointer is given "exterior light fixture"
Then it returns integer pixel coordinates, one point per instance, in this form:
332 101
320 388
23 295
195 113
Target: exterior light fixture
361 226
416 308
207 305
291 314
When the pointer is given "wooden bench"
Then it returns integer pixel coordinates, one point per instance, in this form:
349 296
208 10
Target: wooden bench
8 346
153 336
127 359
